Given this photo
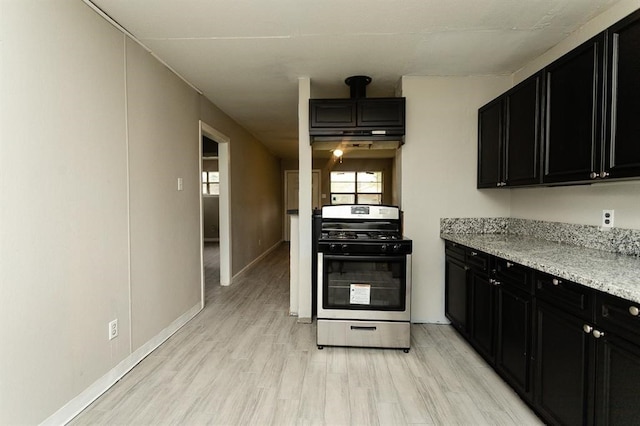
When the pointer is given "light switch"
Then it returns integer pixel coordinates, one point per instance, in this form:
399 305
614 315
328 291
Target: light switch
180 187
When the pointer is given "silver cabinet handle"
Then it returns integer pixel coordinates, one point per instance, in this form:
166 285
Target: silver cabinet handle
604 174
593 175
587 328
496 282
598 334
555 281
473 253
509 264
633 310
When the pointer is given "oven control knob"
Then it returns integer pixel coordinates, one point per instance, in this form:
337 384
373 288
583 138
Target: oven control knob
397 247
384 247
344 247
333 247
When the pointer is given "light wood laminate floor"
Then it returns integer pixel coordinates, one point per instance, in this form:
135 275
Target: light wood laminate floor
244 361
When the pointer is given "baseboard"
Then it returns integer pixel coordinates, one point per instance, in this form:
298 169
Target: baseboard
100 386
304 320
256 260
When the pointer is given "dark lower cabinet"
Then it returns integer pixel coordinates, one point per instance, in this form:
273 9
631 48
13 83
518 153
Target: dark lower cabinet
617 377
571 353
513 352
456 293
482 329
564 359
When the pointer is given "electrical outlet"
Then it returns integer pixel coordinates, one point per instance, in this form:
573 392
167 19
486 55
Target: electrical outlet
113 329
607 218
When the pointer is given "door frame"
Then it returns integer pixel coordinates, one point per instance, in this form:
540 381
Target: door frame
224 167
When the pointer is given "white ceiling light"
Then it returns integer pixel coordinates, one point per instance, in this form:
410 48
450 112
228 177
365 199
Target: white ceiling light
337 153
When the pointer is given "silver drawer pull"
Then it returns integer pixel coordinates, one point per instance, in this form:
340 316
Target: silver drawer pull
359 327
633 310
587 328
474 253
555 281
598 334
509 264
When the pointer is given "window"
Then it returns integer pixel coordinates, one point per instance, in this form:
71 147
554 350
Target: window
211 183
356 187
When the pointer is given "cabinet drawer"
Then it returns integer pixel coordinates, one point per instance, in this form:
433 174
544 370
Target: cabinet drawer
454 250
568 296
477 260
618 315
515 274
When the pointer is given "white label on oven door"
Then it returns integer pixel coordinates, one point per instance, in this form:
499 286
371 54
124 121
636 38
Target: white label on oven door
360 294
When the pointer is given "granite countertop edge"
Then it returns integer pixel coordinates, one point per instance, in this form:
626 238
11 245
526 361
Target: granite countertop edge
612 273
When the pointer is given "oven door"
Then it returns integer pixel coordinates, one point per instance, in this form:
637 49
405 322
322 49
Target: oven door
364 287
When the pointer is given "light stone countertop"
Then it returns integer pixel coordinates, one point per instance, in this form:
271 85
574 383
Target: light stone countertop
613 273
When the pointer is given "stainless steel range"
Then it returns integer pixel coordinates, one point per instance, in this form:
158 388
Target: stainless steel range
364 278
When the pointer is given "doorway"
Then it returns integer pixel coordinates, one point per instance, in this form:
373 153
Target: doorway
223 197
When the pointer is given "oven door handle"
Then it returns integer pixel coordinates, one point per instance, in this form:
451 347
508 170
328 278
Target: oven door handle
383 258
361 327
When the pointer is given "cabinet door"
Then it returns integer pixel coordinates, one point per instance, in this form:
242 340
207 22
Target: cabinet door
513 353
456 293
330 113
490 150
482 332
522 135
622 156
573 96
564 355
381 112
617 376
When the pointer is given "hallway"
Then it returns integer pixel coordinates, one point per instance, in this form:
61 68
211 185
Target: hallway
243 360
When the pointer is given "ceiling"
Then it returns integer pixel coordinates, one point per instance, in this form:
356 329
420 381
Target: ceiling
246 55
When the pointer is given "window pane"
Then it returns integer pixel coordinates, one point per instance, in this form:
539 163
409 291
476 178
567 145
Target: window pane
343 198
214 189
343 187
204 188
204 177
369 186
369 198
214 176
369 176
343 176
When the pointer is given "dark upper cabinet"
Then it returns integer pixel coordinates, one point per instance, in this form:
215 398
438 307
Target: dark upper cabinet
490 152
573 136
509 137
622 152
360 116
329 113
523 106
381 112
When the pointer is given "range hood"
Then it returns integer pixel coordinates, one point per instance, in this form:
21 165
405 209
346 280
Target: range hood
358 120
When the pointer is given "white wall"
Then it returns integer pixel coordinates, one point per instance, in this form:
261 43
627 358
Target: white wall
163 136
579 204
439 174
93 137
